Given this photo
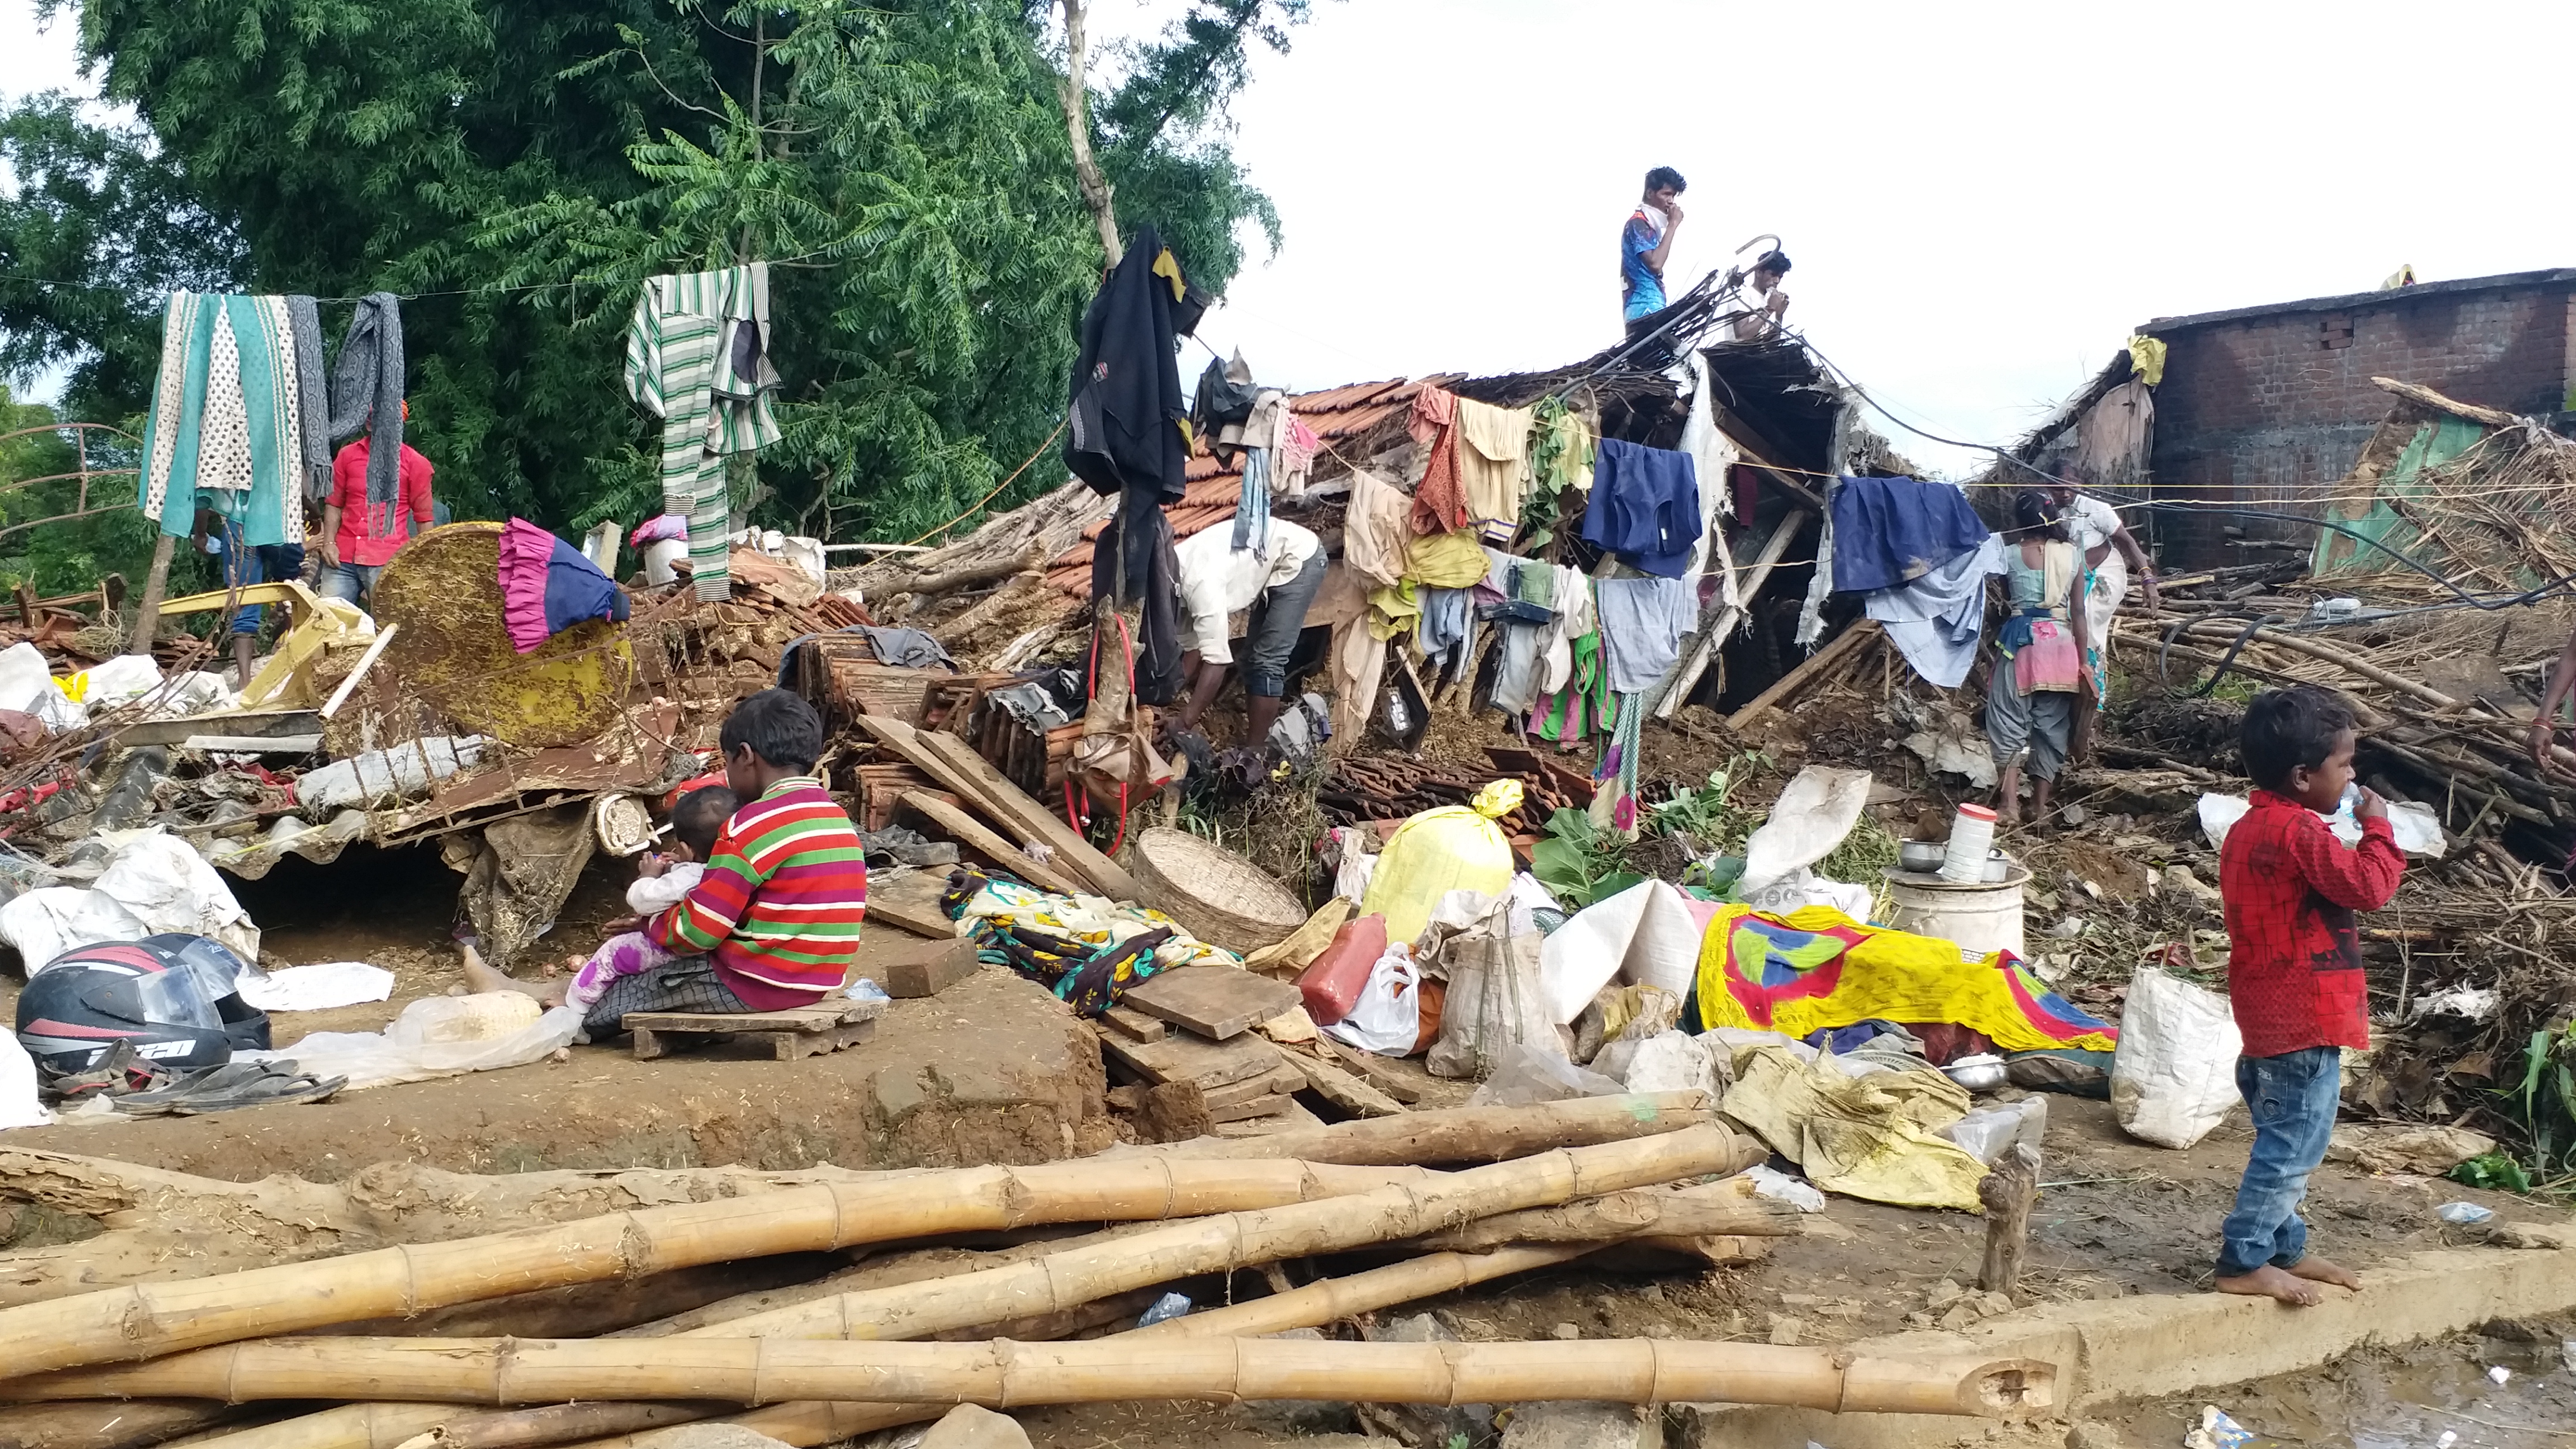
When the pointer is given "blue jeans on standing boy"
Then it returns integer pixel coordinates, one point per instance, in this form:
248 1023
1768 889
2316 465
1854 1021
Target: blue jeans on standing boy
2293 1098
246 564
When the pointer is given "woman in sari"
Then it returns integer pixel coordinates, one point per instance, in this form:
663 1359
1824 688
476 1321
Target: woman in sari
2039 670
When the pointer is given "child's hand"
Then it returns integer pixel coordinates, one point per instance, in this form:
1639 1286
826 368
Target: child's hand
2372 807
623 925
653 865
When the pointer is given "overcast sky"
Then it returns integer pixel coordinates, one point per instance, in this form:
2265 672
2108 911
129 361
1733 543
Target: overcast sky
1981 200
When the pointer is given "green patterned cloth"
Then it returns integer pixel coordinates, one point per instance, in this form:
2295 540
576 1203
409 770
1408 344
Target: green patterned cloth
697 356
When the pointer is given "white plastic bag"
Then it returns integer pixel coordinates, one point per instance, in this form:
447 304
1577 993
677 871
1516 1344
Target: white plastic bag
1812 816
154 882
18 1104
2418 831
2174 1077
1989 1132
1387 1018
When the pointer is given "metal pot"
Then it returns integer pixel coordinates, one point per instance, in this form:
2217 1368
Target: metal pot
1922 856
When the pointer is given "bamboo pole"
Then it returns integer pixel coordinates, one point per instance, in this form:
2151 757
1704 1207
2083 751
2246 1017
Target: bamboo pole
109 1424
145 1320
1723 1209
1004 1374
1064 1280
1470 1134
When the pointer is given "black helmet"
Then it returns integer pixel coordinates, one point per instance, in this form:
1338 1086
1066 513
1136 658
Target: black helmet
168 997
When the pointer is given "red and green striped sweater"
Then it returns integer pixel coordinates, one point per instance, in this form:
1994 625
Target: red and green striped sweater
780 905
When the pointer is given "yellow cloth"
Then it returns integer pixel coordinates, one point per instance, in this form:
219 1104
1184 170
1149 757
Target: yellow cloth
1392 611
1866 1137
1887 975
1301 946
1454 848
1447 561
2147 358
1170 271
1494 464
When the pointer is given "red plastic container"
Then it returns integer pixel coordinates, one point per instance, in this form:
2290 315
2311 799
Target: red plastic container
1332 983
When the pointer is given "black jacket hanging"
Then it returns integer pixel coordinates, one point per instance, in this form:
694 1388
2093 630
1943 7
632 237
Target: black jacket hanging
1127 405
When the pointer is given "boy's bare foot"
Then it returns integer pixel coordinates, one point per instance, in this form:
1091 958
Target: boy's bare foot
481 975
2270 1282
2319 1270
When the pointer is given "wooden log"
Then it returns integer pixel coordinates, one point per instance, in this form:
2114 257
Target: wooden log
145 1319
2008 1192
156 582
1723 1209
966 576
1478 1134
1712 636
110 1424
1002 1373
1060 1281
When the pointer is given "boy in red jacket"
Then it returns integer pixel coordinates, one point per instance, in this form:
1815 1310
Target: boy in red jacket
2294 976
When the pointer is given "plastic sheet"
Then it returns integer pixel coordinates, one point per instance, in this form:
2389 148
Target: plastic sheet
154 883
1812 816
317 988
2417 828
382 776
1525 1075
19 1105
398 1053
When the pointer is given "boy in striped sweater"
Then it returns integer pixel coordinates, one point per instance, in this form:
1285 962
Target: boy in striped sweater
774 922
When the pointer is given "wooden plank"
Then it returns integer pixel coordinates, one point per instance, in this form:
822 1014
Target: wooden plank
954 763
976 836
1342 1089
1134 1025
1035 822
1371 1066
802 1031
1293 1118
252 744
910 902
1217 1002
910 969
1182 1057
264 723
1861 631
1271 1084
1268 1105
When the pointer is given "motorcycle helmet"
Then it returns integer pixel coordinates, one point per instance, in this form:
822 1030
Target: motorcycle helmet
168 998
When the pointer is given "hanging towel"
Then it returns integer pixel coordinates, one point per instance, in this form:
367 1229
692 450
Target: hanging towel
547 586
1374 532
1440 499
1252 503
1296 459
1493 464
1891 531
367 391
697 356
224 430
312 395
1644 507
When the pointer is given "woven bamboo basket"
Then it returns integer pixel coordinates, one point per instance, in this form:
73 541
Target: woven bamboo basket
454 651
1222 898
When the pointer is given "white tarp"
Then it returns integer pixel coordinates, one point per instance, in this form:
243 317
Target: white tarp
1643 935
154 883
316 988
397 1054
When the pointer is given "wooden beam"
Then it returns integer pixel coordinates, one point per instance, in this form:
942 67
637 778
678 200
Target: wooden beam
1686 677
973 834
1844 643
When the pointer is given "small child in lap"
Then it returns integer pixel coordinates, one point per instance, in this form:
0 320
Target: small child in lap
2294 976
661 882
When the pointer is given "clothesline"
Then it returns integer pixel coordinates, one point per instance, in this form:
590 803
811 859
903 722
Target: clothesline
486 291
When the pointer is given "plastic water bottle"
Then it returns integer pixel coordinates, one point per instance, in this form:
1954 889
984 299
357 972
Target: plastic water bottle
1972 839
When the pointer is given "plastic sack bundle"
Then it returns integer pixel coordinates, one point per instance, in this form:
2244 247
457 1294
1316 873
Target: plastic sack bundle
1494 998
1457 847
2174 1076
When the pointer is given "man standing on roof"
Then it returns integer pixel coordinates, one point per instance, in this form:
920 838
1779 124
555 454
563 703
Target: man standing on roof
1277 579
1763 301
1646 241
360 534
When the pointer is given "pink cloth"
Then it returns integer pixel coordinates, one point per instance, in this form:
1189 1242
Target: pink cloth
631 954
527 552
1297 445
2050 661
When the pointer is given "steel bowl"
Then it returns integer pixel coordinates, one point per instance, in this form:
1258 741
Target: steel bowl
1980 1073
1921 856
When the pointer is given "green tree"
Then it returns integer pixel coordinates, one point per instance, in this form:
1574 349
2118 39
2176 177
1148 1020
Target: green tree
904 162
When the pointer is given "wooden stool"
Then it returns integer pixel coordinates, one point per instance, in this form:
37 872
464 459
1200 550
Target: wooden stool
799 1031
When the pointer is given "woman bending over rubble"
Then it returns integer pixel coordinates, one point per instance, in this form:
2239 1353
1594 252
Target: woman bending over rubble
2038 670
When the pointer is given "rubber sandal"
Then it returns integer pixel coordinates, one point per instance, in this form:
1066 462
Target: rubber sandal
230 1086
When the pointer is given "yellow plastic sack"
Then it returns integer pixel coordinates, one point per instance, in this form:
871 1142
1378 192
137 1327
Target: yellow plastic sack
1866 1137
1454 848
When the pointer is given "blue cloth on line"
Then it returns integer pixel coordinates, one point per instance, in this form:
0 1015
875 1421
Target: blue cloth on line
1935 621
1644 508
1891 531
1642 624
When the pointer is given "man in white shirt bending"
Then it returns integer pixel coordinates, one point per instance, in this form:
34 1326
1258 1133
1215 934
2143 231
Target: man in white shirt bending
1277 580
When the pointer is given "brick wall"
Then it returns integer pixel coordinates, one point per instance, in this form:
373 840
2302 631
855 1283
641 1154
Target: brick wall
2269 410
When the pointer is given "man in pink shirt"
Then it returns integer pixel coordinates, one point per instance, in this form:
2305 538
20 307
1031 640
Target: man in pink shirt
357 537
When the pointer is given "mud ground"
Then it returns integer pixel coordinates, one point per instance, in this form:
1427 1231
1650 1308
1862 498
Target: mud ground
991 1070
